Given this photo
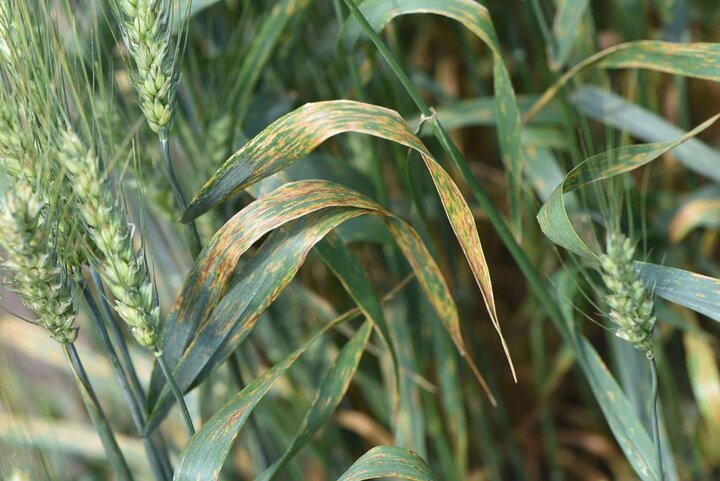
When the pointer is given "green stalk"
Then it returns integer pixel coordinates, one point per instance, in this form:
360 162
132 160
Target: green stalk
654 415
97 415
536 283
136 412
176 391
192 232
118 339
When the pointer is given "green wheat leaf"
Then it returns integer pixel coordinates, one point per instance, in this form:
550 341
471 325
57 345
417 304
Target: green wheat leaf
565 29
553 217
205 453
328 397
614 111
389 462
262 279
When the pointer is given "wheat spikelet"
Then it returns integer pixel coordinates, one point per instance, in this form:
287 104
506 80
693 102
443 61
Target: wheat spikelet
39 277
145 26
630 302
124 271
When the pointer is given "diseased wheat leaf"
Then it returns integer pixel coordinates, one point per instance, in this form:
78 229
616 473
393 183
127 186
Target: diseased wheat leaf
553 217
301 131
694 291
697 60
268 271
328 397
565 28
389 462
614 111
476 18
205 453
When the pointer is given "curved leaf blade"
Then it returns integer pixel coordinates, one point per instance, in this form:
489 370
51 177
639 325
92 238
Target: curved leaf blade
328 397
301 131
476 18
697 60
553 217
263 277
205 453
613 110
389 462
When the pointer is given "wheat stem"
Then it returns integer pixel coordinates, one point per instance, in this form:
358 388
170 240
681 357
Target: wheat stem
118 338
131 398
654 416
176 391
97 415
193 236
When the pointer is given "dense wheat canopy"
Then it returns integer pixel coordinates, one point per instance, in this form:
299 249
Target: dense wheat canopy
458 240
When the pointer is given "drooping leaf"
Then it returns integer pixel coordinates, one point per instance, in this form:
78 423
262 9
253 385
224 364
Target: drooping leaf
553 216
205 453
300 132
614 111
270 269
697 60
476 18
389 462
328 397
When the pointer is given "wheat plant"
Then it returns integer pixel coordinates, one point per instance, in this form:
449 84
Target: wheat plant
427 240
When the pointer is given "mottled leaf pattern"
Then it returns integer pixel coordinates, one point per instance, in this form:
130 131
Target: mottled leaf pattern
389 462
476 18
694 291
698 60
231 314
301 131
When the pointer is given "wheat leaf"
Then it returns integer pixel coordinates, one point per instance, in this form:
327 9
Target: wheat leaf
234 312
476 18
553 217
389 462
205 453
301 131
328 397
565 29
698 60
